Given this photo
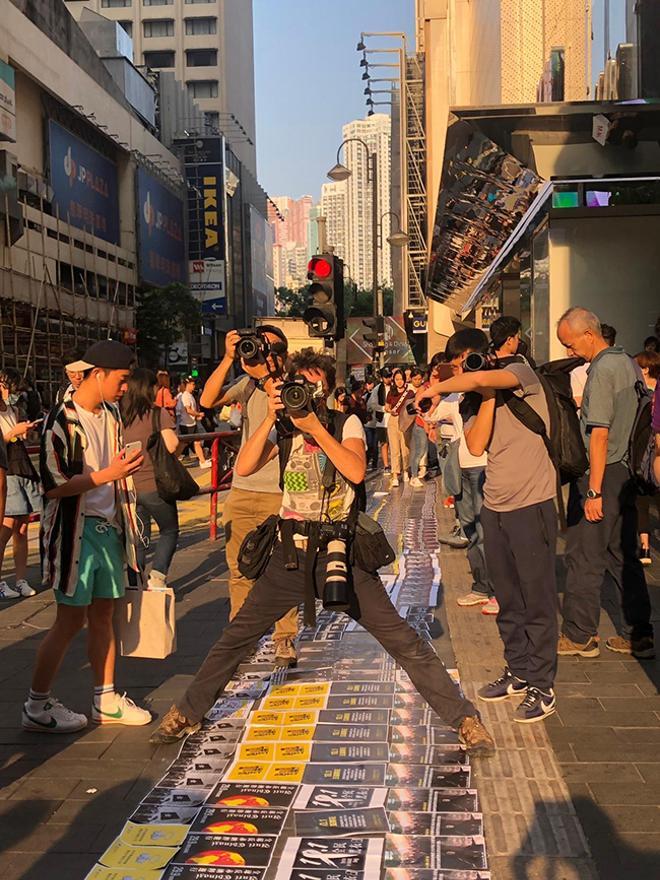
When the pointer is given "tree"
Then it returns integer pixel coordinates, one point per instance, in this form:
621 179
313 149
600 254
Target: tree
290 303
360 303
163 316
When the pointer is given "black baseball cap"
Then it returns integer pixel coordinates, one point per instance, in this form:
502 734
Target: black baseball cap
385 373
108 355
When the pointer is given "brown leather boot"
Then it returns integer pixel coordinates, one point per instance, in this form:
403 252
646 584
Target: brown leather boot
173 727
476 739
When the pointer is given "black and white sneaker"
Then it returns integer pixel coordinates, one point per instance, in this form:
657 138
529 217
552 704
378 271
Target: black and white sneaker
507 685
50 716
537 706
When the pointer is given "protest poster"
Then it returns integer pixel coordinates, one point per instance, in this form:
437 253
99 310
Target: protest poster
153 834
123 855
358 774
227 850
319 797
240 820
432 800
341 823
436 824
331 854
450 853
227 794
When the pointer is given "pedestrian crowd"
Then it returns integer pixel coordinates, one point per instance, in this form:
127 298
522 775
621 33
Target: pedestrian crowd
483 419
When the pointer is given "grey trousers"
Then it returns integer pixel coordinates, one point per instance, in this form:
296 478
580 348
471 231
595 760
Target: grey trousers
275 592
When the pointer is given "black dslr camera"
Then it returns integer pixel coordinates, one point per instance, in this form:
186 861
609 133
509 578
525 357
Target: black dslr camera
298 395
423 406
477 361
253 347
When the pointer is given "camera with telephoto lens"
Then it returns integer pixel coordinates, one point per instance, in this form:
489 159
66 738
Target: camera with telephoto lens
336 593
298 395
252 346
423 406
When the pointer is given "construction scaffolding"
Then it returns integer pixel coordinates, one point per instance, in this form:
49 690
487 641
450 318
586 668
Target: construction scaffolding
61 289
416 199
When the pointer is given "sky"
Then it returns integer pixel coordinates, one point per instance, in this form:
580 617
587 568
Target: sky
308 82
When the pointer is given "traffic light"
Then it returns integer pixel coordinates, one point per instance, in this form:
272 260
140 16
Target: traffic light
377 337
324 314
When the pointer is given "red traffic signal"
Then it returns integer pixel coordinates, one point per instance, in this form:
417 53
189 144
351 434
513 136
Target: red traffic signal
319 267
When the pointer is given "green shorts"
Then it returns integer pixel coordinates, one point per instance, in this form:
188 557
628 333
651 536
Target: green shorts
101 566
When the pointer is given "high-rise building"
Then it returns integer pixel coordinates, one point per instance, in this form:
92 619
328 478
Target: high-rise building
209 46
292 222
334 207
376 132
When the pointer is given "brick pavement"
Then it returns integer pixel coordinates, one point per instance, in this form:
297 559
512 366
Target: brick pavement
587 780
590 774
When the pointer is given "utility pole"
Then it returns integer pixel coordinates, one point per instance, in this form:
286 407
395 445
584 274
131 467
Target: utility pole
322 226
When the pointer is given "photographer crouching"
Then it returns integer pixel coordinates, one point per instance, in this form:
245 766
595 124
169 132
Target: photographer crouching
319 545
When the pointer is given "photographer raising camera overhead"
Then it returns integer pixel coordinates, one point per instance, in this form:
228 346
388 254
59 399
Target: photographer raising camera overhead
319 545
262 353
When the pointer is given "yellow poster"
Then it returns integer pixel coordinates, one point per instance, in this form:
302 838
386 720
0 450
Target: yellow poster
293 751
285 773
300 717
285 690
153 835
278 703
259 751
308 703
264 734
100 872
246 771
269 718
315 689
304 732
122 855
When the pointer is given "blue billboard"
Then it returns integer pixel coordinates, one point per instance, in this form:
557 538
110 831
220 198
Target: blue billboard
85 185
162 253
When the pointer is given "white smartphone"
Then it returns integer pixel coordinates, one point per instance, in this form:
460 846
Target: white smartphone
131 448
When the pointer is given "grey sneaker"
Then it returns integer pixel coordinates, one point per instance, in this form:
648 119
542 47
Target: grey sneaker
455 538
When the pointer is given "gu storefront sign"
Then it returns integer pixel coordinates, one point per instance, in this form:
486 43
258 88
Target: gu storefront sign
85 184
161 246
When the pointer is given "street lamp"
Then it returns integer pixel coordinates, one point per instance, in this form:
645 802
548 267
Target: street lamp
340 172
397 239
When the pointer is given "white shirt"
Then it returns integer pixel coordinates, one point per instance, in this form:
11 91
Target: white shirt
99 430
374 407
579 380
450 426
186 401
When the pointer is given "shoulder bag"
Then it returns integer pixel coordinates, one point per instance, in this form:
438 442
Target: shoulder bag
173 482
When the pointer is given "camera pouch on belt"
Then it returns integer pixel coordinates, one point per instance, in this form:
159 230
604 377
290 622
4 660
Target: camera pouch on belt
256 548
370 548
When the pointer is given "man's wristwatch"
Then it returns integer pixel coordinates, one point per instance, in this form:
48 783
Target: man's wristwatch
592 494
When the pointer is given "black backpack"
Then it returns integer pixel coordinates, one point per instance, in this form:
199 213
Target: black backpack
641 445
564 439
336 423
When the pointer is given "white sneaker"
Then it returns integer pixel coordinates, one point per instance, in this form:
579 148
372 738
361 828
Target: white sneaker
207 464
51 716
416 483
6 591
406 477
395 482
24 588
119 709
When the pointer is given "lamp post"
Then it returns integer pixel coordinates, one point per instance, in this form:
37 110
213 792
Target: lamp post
340 172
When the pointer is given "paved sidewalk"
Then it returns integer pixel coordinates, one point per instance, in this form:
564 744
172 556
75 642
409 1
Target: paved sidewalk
576 797
590 774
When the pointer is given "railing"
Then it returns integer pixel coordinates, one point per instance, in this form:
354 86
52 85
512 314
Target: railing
224 446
